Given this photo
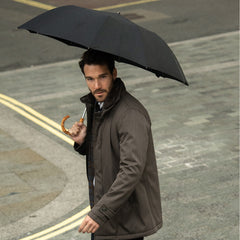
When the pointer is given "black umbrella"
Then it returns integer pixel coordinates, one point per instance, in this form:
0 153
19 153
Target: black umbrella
111 33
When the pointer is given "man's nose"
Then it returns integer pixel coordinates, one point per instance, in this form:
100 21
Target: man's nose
97 84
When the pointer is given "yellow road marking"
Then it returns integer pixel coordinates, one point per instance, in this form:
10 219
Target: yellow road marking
32 111
35 4
62 230
64 223
50 7
125 5
37 121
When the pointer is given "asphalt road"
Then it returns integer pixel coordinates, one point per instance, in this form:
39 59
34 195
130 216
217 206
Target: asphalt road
173 20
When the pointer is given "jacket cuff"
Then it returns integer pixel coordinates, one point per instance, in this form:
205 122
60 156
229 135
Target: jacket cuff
101 214
80 148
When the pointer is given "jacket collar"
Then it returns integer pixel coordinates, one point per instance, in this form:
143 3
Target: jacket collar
114 96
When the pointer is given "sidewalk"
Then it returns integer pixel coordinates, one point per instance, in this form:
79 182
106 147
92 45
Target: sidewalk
195 131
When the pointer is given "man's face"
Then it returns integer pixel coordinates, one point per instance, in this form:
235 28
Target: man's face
99 80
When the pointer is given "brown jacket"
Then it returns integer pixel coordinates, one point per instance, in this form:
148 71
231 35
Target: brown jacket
126 193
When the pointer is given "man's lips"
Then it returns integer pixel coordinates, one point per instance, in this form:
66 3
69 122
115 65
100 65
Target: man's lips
99 92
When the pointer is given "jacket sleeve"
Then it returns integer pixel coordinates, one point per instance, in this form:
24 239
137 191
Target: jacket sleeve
133 130
81 149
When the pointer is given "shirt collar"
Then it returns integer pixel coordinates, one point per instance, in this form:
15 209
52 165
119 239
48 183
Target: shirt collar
100 104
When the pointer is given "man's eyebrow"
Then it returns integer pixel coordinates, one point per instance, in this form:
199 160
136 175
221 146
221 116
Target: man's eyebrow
88 77
100 75
106 73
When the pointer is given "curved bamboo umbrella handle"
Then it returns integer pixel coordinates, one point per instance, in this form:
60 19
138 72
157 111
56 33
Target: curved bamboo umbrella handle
62 125
66 117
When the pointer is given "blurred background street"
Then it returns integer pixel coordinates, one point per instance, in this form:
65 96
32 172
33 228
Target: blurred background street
195 128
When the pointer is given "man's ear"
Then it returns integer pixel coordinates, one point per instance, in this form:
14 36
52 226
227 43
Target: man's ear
114 73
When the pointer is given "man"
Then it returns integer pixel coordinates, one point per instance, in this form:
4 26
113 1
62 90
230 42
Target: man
121 166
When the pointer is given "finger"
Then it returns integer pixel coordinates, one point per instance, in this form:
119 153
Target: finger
73 132
86 228
76 129
80 229
95 228
79 124
90 229
82 226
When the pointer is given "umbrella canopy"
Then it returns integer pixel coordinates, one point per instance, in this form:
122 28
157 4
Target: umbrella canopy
110 33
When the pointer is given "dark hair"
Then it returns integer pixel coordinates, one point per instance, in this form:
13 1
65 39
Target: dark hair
94 57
